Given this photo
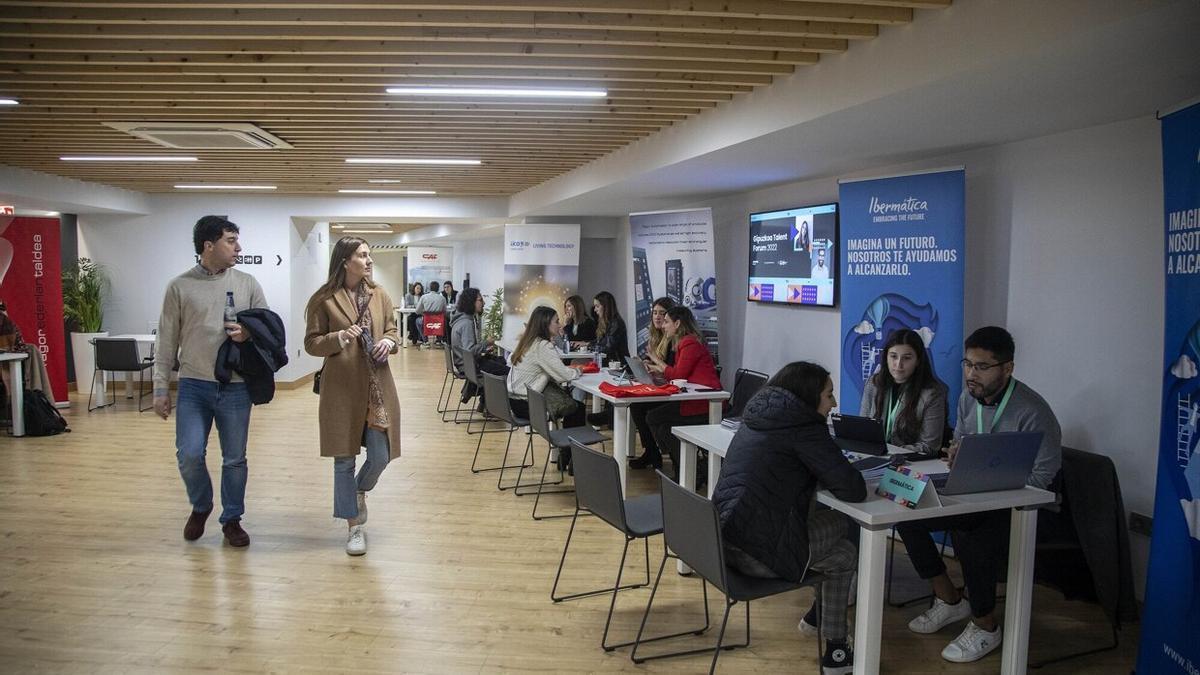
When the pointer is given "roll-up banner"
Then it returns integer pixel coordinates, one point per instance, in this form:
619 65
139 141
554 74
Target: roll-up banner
1171 619
31 286
902 267
673 257
429 263
541 268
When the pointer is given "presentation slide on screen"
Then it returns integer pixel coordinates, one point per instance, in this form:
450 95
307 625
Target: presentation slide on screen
792 255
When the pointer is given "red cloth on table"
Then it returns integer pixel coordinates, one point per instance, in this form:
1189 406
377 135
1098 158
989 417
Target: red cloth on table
589 368
634 390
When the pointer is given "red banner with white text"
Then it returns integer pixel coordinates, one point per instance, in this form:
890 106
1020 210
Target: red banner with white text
31 286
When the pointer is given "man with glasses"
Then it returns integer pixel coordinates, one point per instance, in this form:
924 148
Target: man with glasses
993 401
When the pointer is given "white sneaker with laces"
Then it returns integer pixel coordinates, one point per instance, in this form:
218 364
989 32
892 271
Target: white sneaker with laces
972 644
362 508
939 616
356 543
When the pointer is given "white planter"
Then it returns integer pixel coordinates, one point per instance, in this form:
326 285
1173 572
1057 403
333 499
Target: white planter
84 356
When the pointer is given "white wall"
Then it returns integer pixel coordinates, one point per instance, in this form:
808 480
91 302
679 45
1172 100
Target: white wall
1064 242
310 248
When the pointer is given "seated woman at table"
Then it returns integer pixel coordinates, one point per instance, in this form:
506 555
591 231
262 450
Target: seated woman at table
578 326
411 299
611 338
905 396
662 347
693 363
777 460
466 333
536 364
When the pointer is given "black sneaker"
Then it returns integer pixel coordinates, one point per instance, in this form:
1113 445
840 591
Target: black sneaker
838 659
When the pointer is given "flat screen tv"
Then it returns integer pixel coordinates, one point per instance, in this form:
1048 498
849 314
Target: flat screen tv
793 256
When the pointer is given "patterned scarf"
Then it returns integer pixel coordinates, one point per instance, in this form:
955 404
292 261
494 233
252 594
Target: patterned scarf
376 412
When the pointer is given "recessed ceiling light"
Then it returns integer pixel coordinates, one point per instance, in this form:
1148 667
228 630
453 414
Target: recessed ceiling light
388 192
383 180
129 158
9 101
498 91
361 226
224 187
387 231
405 160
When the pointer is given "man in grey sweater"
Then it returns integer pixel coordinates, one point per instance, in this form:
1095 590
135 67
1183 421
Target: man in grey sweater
993 401
196 319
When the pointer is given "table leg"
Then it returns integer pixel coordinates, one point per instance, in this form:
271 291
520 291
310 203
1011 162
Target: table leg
715 410
621 443
687 478
403 331
714 472
17 397
1018 598
128 385
868 612
597 404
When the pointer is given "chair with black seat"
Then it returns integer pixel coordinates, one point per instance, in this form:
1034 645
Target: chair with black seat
746 384
495 395
556 439
450 378
470 370
598 492
692 531
119 355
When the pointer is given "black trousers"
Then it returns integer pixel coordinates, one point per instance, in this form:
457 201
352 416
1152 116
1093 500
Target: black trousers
638 413
489 363
980 543
661 419
414 332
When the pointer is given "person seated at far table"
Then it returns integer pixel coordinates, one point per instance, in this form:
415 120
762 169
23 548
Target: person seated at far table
536 364
693 363
905 396
578 326
993 401
415 291
780 456
430 304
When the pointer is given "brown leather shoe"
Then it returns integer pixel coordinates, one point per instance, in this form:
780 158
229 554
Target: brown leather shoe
234 534
194 528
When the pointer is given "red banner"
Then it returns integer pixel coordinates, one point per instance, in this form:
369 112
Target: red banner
31 285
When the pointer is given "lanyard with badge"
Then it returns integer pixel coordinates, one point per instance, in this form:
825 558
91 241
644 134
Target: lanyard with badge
1012 382
890 420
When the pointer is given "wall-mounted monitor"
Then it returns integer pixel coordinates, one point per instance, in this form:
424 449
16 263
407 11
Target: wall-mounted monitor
793 256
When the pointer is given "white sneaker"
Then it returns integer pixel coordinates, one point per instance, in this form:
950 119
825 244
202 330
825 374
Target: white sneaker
356 543
972 644
939 616
807 629
362 508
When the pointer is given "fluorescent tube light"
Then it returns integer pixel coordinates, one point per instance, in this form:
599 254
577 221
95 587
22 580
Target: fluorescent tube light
386 160
388 192
498 91
387 231
383 180
9 101
128 158
224 187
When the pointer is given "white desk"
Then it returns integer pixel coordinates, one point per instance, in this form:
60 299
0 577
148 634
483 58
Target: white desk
145 349
402 318
16 392
623 429
876 516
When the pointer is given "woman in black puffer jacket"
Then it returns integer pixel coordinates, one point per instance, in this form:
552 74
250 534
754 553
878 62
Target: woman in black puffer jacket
779 458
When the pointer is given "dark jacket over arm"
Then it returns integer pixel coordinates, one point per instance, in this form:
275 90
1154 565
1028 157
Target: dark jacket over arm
258 358
780 457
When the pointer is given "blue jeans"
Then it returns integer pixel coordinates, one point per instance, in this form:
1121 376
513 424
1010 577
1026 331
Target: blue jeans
346 486
199 404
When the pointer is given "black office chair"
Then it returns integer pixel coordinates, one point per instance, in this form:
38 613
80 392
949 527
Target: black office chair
119 355
746 384
495 393
470 369
451 377
560 439
692 530
598 491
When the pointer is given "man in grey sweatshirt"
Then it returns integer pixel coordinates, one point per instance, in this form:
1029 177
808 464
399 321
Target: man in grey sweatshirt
993 401
197 314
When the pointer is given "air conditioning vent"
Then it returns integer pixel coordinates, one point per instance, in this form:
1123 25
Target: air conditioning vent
203 135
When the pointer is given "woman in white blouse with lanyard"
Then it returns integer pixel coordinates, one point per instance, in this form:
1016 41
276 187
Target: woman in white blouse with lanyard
906 397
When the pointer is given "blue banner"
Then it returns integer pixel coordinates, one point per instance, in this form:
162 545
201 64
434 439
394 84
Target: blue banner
1171 620
902 267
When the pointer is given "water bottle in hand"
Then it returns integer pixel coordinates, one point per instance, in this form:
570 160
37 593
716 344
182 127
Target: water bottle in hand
230 312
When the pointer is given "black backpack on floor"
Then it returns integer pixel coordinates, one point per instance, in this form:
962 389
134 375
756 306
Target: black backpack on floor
41 417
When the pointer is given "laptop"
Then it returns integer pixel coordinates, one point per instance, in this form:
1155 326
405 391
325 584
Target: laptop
991 462
859 434
640 374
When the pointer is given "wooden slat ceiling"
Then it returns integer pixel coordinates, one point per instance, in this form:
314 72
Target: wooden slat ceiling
314 74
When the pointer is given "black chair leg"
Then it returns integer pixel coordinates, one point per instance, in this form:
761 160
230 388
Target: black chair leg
442 394
520 467
529 486
646 615
142 391
598 591
721 634
891 571
479 444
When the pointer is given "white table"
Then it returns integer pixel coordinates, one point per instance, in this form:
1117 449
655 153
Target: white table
16 392
402 317
877 515
145 343
623 429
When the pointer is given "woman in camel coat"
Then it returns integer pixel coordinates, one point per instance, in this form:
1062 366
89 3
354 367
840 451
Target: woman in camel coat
352 324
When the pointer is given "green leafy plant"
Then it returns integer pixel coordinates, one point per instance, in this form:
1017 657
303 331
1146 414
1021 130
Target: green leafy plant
493 317
84 287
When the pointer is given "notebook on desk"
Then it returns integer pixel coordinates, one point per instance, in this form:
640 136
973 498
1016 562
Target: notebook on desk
991 462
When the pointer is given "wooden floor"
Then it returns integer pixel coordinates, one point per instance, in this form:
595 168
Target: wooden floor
96 577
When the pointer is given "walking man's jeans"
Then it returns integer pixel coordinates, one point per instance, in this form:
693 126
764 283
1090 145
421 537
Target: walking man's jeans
199 404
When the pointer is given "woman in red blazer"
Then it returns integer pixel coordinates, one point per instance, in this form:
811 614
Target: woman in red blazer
693 363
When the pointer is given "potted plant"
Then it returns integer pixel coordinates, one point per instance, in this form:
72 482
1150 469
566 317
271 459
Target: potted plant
84 287
493 317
